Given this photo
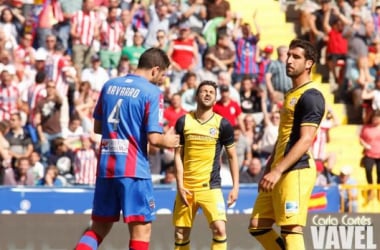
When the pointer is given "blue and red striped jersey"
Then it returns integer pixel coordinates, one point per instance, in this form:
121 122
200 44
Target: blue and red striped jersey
129 108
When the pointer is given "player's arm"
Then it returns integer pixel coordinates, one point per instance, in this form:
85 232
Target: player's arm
178 165
167 140
234 169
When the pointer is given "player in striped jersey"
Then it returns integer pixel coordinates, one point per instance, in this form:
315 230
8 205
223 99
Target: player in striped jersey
128 115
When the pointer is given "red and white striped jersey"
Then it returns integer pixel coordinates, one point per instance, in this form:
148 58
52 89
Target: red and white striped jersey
110 34
36 93
9 98
23 55
85 26
85 165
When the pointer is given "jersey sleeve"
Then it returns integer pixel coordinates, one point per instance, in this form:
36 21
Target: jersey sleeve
179 126
226 133
311 108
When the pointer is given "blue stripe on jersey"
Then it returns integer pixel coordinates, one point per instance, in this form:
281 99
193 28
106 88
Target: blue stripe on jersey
129 108
89 241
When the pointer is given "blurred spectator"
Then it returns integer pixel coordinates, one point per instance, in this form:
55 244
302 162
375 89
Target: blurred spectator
85 163
69 8
8 26
124 66
189 86
73 132
371 100
183 53
24 54
252 98
222 54
111 40
10 96
370 140
349 195
134 52
270 133
95 74
128 30
265 59
228 108
84 30
206 73
169 176
276 80
243 148
327 171
21 174
62 157
158 19
251 132
36 166
162 40
47 118
20 142
85 99
5 157
195 12
51 178
50 15
253 172
247 52
224 79
218 15
174 110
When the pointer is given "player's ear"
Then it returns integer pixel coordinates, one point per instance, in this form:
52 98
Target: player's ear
309 64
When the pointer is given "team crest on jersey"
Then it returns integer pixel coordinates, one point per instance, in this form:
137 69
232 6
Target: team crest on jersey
152 204
213 131
129 80
293 101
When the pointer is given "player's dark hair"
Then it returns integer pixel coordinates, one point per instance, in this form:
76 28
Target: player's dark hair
310 51
203 83
153 57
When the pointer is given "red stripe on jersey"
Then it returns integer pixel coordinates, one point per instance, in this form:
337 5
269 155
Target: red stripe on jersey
130 164
111 162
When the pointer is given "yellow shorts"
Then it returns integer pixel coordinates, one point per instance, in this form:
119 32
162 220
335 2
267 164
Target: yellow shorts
288 203
210 201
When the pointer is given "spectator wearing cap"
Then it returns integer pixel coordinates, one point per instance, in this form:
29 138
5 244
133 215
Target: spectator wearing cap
222 54
183 53
84 31
95 74
135 51
265 59
111 40
276 80
228 108
348 193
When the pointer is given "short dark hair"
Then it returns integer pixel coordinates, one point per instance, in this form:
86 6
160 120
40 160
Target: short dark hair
153 57
310 51
206 82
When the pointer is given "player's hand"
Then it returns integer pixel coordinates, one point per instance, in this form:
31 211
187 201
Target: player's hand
185 194
172 138
232 196
269 180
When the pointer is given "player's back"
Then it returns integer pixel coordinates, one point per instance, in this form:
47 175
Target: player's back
128 107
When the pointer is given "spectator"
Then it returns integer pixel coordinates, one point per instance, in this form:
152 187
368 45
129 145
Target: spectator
183 53
84 30
228 108
124 66
21 174
158 19
174 110
348 194
162 40
169 176
222 54
265 60
206 73
51 178
9 28
36 166
224 79
85 163
20 142
270 133
135 51
73 132
247 52
188 96
253 173
128 29
95 74
84 103
5 157
370 139
48 118
252 98
195 12
252 132
276 80
24 54
111 40
243 148
62 157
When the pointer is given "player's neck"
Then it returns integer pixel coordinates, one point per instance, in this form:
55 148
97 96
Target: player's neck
297 82
203 115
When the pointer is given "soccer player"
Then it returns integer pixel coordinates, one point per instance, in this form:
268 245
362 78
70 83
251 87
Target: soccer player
128 115
289 177
203 133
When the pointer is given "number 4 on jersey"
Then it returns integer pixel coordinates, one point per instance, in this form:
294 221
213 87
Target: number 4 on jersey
114 117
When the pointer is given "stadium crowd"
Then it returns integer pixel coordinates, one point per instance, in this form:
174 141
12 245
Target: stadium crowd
55 56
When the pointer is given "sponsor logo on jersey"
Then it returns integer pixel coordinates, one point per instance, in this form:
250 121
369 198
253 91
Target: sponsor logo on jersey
114 146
